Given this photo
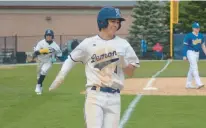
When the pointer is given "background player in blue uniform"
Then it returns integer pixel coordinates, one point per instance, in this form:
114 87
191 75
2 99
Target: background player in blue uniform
193 43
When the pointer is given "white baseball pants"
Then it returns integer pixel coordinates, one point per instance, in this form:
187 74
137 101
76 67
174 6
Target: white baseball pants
193 58
43 68
102 110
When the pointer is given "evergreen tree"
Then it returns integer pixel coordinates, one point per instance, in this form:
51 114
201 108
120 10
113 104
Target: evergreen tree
149 24
191 11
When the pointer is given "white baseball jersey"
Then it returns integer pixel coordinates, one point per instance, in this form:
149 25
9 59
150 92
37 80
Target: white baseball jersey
54 48
101 59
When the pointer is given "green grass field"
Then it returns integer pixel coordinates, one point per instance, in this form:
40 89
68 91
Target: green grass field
20 107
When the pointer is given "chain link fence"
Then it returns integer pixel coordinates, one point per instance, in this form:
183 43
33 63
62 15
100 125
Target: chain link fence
8 49
19 49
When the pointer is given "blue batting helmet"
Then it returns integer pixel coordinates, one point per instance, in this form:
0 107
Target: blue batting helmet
108 13
49 32
195 25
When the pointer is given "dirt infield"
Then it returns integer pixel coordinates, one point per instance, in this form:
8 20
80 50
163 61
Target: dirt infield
164 86
174 86
7 67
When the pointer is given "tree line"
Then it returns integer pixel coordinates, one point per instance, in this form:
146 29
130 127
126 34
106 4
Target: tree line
151 21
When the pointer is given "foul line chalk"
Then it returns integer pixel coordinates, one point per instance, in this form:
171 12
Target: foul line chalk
150 88
149 84
134 102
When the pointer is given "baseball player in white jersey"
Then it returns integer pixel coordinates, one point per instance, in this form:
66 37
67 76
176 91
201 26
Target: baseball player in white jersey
107 58
46 51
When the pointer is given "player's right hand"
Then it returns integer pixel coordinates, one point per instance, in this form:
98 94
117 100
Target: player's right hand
184 58
55 84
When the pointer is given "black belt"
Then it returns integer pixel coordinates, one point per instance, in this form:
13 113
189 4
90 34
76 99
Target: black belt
106 89
194 50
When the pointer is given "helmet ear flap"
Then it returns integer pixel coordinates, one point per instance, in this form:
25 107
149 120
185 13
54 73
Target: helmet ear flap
102 24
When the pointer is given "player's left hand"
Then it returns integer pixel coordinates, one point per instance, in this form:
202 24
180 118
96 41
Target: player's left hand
184 58
51 50
53 59
129 70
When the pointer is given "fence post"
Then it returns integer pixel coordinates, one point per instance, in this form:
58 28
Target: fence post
61 42
4 46
15 45
16 48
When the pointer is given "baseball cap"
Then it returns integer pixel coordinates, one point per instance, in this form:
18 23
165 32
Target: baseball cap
195 25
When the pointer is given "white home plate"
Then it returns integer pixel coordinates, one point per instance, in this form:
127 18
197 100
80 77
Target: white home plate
150 88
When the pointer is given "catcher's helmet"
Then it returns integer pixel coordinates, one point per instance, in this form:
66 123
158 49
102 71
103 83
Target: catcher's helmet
49 32
108 13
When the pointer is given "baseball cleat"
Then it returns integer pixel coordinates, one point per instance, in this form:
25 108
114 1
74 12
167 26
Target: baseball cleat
200 86
190 87
38 93
38 89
